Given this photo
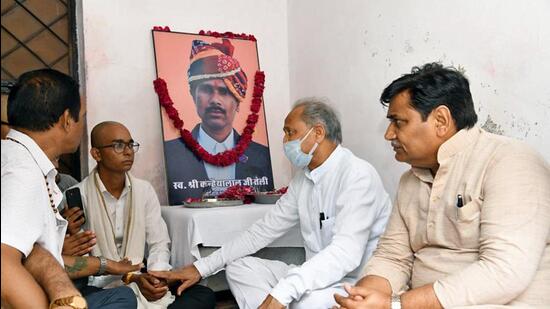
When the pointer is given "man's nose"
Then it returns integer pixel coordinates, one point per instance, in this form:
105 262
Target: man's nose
215 98
390 133
128 151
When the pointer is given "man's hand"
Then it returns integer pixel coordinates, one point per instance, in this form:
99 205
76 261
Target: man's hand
121 267
271 303
75 217
363 298
189 275
152 288
79 244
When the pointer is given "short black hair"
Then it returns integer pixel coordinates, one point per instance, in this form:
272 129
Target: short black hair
40 97
433 85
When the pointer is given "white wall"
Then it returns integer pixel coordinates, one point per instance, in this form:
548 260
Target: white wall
119 67
349 51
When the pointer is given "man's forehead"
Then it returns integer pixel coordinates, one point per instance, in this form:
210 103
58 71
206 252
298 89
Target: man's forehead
214 82
399 104
114 132
294 118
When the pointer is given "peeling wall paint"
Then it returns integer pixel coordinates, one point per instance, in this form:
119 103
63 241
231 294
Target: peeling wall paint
491 126
501 45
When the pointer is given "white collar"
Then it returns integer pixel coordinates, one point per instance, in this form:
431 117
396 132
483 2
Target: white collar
103 189
36 152
316 174
209 143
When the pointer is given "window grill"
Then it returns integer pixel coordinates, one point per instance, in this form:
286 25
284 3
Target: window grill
37 34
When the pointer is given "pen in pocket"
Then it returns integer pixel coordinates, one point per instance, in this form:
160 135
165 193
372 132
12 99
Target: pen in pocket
459 201
459 204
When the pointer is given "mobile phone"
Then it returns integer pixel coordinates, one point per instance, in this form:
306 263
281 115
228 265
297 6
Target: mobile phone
74 199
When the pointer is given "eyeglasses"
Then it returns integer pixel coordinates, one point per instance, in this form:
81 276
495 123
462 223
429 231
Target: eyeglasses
119 147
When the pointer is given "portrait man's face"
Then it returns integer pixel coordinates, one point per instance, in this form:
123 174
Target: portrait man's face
216 106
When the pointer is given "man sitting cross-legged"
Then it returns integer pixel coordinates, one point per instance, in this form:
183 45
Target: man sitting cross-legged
124 213
342 208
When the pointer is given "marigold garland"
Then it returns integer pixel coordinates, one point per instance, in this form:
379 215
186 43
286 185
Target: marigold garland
227 157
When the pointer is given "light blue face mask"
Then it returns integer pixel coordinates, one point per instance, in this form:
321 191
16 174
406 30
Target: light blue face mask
294 153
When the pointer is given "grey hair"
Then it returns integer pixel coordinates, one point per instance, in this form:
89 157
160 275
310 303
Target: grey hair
318 111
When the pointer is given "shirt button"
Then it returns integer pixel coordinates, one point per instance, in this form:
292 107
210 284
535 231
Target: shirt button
430 225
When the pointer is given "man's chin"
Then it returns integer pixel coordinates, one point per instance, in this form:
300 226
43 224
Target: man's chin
401 158
125 169
214 125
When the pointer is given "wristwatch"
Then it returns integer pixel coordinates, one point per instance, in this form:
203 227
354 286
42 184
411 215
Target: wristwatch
76 302
102 265
396 302
127 277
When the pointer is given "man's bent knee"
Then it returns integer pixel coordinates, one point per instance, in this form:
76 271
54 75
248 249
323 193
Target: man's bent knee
238 267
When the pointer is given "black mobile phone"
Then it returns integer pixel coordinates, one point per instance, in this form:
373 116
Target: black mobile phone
74 199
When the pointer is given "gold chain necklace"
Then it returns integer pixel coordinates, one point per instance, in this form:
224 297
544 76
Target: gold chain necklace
50 195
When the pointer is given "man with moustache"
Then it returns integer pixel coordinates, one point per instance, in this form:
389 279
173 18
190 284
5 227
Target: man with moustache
471 221
218 86
46 117
124 213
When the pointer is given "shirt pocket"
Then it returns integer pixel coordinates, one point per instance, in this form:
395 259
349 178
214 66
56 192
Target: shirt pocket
326 231
466 221
469 212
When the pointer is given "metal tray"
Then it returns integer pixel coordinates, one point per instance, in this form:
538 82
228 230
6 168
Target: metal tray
264 198
212 204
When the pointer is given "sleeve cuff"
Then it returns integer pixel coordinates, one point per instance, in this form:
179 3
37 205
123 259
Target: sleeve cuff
201 266
396 282
25 250
281 296
158 266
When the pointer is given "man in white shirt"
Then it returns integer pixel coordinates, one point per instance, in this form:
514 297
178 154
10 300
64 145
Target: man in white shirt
46 116
341 206
124 213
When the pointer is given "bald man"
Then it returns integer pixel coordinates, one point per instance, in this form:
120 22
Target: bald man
124 213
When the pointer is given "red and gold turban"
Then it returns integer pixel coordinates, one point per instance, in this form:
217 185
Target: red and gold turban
215 61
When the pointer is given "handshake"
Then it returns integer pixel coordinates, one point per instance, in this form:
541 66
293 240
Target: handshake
154 284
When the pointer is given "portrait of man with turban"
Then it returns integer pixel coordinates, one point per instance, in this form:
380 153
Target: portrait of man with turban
218 87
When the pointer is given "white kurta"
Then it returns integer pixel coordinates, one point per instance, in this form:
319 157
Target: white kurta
156 232
348 192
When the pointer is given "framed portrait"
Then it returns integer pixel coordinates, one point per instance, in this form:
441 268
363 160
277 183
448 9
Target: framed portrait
211 82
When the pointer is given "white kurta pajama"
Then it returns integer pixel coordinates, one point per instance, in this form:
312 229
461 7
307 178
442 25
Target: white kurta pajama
349 193
123 227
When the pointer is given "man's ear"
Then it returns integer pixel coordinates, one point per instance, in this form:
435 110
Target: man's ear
320 133
95 154
65 120
443 120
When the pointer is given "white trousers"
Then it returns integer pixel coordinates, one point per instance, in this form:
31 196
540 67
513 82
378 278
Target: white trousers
251 279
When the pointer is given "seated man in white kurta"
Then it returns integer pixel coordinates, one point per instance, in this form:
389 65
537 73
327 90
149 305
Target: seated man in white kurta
341 206
124 213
